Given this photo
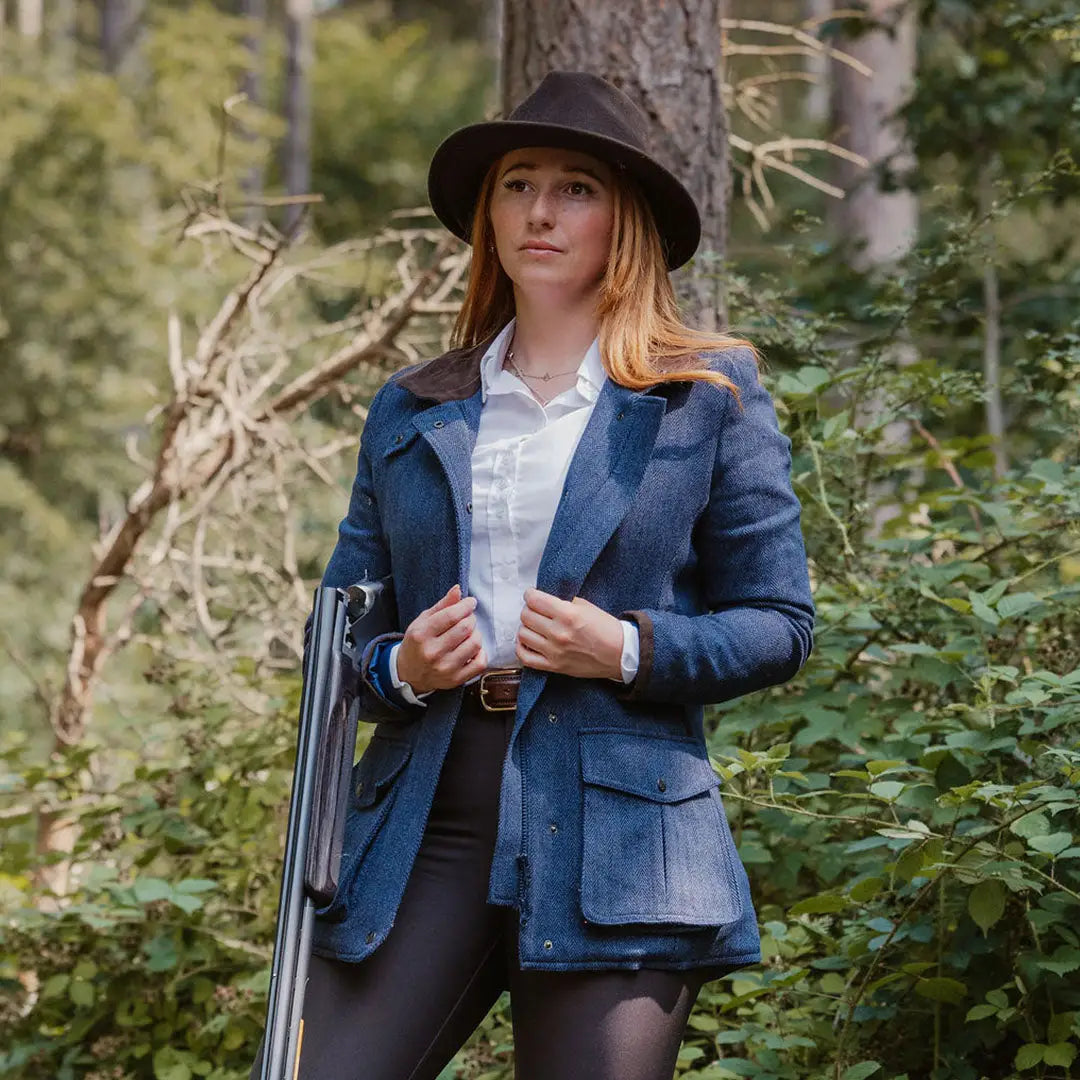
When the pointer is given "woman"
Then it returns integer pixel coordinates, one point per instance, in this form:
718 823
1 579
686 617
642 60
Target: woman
587 512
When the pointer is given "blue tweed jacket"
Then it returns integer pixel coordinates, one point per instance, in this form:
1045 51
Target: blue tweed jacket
677 512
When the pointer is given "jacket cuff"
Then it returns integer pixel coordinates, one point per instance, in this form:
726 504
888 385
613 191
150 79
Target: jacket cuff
378 697
635 690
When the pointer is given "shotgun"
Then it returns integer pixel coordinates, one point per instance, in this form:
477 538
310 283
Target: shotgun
341 624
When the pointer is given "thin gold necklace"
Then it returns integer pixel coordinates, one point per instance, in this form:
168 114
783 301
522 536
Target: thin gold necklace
521 374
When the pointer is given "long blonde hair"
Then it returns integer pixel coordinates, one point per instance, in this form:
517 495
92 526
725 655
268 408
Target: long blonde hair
643 340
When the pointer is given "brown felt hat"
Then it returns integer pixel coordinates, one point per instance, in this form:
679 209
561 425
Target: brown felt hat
578 111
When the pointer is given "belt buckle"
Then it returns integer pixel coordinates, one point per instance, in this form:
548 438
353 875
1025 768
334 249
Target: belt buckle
484 690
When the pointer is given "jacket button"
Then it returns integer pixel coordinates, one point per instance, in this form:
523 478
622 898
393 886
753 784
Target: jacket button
619 417
548 944
468 507
370 936
438 423
553 827
399 438
661 785
552 718
360 787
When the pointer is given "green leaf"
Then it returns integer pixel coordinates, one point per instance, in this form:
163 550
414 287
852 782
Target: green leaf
826 903
186 902
1029 825
161 953
1029 1055
1051 844
865 889
195 885
982 610
168 1065
1060 1026
54 986
1061 1053
986 903
1065 960
861 1071
941 988
1017 604
704 1022
980 1012
149 889
874 768
887 789
81 993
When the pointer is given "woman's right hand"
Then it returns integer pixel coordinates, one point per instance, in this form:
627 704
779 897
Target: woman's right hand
442 647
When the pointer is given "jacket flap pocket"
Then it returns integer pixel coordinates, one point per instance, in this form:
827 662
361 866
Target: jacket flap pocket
383 759
662 768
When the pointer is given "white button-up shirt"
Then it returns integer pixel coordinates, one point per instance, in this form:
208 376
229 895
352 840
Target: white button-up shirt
519 465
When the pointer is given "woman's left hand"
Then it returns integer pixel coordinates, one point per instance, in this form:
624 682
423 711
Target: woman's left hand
571 637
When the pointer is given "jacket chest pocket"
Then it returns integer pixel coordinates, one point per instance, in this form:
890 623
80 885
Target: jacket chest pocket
657 847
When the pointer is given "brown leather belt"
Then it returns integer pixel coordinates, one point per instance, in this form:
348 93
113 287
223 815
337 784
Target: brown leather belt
495 691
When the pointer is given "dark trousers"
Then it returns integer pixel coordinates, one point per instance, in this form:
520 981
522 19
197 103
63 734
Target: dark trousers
406 1010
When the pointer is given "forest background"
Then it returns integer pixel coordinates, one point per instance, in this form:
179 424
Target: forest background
893 218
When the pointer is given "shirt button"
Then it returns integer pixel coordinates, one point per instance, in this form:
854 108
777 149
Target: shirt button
552 718
553 827
468 507
548 944
661 785
370 936
439 423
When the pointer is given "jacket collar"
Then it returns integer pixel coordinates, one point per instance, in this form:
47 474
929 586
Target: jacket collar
455 375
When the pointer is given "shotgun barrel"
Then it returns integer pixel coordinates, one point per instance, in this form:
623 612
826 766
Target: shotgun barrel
342 622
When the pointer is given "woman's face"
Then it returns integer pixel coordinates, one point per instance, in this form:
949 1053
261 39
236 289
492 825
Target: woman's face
552 212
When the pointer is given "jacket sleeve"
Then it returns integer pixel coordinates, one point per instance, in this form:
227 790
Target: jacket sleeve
758 631
361 554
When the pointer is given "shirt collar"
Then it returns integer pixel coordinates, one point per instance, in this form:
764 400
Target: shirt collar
495 379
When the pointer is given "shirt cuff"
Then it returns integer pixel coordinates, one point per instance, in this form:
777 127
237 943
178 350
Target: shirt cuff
403 688
631 651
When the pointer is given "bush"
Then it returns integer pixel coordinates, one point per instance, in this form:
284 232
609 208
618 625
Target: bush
907 807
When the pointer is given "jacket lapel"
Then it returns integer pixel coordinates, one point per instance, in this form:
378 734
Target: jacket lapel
604 474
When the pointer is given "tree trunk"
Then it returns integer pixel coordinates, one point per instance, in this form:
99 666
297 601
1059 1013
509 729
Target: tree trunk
297 148
995 412
876 226
30 18
817 97
666 57
880 224
251 85
116 20
64 38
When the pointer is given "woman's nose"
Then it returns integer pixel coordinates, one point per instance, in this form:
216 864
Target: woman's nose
542 209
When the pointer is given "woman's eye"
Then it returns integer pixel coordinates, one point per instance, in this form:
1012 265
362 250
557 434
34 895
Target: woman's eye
514 185
579 187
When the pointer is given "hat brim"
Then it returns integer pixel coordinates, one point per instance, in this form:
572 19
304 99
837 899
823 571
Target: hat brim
460 163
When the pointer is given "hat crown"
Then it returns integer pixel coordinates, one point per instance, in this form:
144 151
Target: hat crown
586 102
